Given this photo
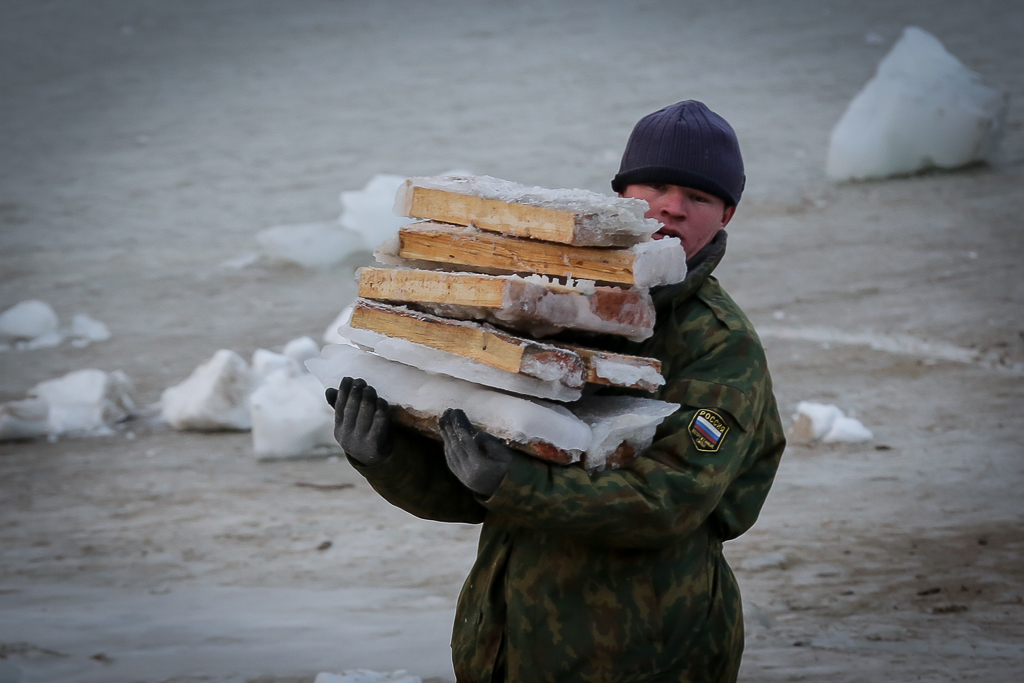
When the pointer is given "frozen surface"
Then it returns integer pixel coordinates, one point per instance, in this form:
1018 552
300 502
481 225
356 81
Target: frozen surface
922 109
310 245
453 365
367 676
615 420
826 423
601 220
215 396
626 375
290 417
27 320
506 416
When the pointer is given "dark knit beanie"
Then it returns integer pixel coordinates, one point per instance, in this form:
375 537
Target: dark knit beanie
684 144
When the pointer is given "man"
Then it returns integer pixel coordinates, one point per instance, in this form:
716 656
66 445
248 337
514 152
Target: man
616 575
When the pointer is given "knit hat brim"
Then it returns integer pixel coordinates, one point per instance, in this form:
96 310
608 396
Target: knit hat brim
646 175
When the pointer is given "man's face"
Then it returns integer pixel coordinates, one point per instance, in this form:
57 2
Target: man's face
691 215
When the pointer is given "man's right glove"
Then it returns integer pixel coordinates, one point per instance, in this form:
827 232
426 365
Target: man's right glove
361 424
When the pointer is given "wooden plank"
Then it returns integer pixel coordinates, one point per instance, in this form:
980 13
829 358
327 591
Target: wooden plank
432 286
514 302
488 346
442 243
519 220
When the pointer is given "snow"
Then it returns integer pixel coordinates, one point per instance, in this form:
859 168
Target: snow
368 212
27 321
922 109
626 375
290 418
367 676
509 417
435 360
617 419
826 423
214 397
601 220
310 245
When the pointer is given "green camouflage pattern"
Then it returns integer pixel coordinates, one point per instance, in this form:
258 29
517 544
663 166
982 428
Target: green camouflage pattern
617 575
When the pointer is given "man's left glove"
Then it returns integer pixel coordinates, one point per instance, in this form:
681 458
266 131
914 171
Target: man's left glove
478 459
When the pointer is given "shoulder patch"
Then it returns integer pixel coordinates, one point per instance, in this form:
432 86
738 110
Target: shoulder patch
707 430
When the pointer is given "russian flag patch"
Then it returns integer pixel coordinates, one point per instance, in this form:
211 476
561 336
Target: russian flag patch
708 430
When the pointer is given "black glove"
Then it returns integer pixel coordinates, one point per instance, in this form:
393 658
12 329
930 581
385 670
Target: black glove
361 423
478 459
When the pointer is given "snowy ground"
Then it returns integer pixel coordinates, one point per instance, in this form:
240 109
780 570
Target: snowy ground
145 143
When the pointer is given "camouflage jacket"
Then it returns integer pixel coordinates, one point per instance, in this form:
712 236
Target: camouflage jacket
618 575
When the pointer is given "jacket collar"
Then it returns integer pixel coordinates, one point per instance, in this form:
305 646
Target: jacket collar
698 269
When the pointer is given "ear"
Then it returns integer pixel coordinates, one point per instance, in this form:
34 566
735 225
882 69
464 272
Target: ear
727 215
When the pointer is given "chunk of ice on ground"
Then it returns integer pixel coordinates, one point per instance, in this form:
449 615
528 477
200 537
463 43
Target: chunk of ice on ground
301 349
435 360
368 212
28 320
25 419
922 109
367 676
506 416
266 362
86 402
310 245
85 330
290 418
622 427
331 334
601 220
214 397
826 423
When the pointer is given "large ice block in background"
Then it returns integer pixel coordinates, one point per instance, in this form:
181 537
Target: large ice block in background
579 217
310 245
27 320
86 401
290 417
214 397
922 109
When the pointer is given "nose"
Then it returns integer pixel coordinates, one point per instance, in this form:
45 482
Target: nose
673 203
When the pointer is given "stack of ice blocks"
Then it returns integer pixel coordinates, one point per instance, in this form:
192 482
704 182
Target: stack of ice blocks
459 317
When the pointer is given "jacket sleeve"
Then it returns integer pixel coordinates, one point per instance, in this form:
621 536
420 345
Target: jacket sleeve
416 478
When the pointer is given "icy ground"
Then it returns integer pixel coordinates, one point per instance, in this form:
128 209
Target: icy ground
145 143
